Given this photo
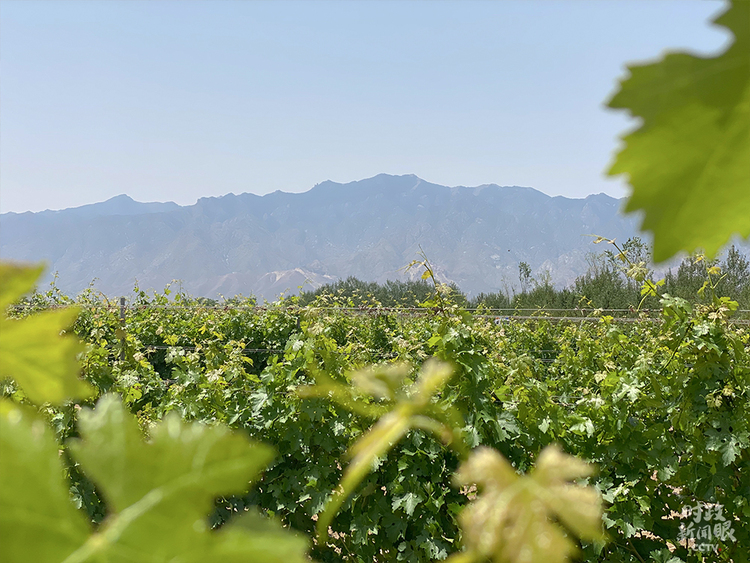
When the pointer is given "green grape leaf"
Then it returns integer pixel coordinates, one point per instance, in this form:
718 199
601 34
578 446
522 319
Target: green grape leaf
689 161
161 492
730 445
512 518
42 362
37 520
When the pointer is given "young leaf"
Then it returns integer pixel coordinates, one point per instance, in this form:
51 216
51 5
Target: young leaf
688 162
512 518
412 409
161 492
376 443
37 520
33 353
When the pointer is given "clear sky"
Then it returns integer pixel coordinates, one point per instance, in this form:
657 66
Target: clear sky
176 100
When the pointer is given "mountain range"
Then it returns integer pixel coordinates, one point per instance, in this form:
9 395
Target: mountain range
263 245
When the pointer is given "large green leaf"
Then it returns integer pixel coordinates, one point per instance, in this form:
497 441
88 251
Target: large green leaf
689 161
37 520
33 352
161 492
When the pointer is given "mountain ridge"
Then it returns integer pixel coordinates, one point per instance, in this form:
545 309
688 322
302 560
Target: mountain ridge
121 204
369 228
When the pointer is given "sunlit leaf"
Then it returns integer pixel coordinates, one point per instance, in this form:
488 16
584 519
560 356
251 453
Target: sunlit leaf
381 382
33 352
411 409
432 378
37 520
688 161
513 517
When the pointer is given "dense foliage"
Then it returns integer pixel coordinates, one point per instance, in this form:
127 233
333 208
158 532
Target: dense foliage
660 407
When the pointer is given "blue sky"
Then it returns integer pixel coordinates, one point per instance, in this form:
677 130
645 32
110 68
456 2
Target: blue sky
176 100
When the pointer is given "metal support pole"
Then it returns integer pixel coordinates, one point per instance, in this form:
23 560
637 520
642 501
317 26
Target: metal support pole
122 328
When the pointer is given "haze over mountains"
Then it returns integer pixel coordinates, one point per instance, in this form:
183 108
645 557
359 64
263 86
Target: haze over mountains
263 245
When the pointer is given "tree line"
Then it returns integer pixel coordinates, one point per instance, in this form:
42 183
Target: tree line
610 282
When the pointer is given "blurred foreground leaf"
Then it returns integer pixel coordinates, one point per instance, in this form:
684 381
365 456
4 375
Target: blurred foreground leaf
405 407
689 161
33 352
159 493
37 520
513 518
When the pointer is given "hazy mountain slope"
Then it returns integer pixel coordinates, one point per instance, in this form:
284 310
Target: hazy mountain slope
370 229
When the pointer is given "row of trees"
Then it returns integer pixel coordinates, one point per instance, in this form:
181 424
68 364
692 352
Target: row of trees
611 282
